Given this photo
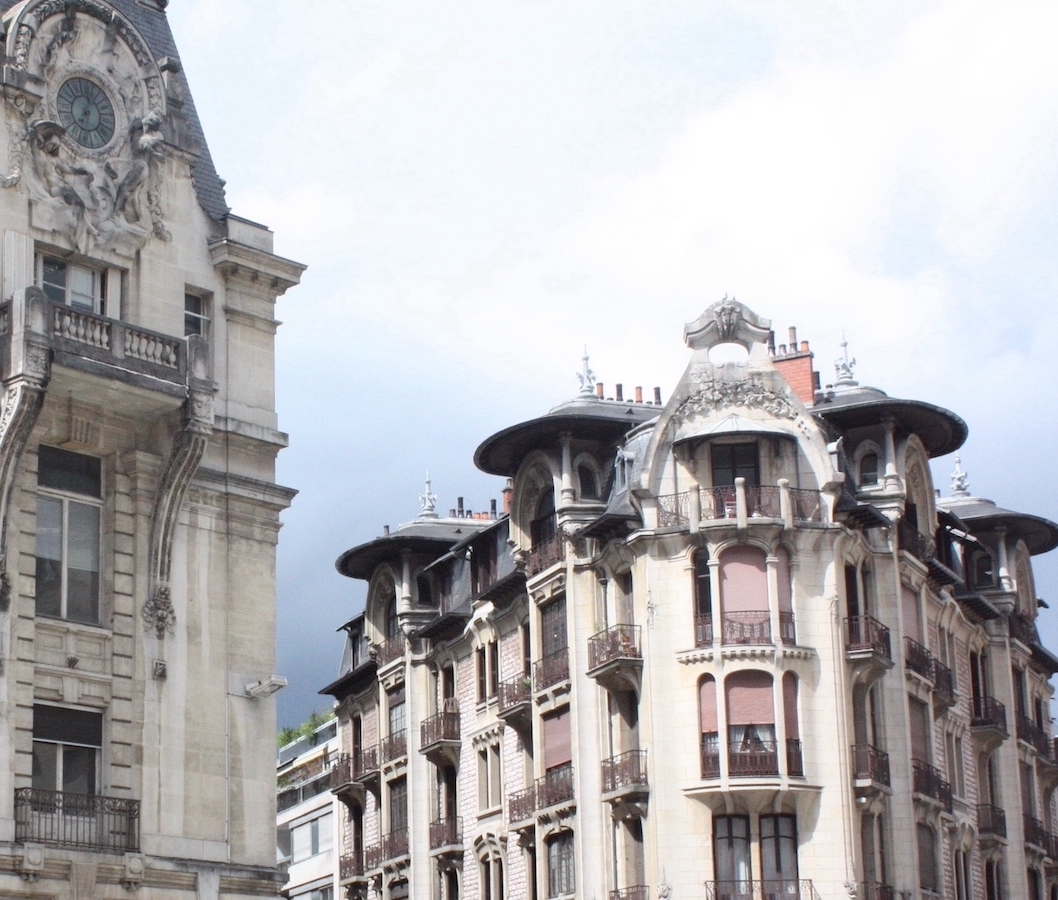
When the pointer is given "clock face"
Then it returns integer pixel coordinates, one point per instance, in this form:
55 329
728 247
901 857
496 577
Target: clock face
85 111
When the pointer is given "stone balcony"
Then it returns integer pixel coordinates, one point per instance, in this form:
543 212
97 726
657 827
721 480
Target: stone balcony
615 659
739 504
439 738
515 703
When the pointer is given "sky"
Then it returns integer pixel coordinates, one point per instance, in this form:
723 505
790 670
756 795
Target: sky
482 189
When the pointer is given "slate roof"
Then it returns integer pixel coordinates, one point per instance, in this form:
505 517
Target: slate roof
153 25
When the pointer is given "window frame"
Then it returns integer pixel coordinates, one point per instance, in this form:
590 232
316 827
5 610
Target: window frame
561 864
202 317
91 742
99 283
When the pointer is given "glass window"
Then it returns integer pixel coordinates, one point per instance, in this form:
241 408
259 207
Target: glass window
66 745
731 461
68 536
544 525
869 469
778 848
72 285
731 851
553 626
398 804
196 315
311 838
927 858
560 874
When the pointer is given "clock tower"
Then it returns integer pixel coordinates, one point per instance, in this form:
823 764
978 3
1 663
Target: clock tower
138 503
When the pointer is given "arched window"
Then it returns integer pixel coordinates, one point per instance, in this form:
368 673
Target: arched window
544 526
745 618
589 483
386 603
751 723
794 756
560 868
703 599
708 727
868 473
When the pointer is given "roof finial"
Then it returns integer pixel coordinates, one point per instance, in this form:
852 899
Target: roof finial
587 377
960 481
843 366
428 501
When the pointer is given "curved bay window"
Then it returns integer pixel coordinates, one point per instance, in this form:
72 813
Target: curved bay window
751 747
744 610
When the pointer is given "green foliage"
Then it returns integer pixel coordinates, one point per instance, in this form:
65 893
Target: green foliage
289 734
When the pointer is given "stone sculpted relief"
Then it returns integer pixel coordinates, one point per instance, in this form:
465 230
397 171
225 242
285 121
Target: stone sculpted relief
91 152
708 393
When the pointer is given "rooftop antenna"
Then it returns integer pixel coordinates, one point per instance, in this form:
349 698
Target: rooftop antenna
960 481
587 377
843 365
428 501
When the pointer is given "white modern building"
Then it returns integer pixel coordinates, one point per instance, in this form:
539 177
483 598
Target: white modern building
138 506
731 646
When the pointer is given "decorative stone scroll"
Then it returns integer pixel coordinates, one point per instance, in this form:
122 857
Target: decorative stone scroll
726 322
709 392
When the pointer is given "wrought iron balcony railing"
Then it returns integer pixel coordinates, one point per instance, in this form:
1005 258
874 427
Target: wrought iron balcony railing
393 747
624 770
1022 629
786 889
917 658
795 763
870 764
943 683
991 820
987 712
555 787
703 631
521 805
913 541
550 670
616 642
864 634
514 693
746 627
639 892
1036 833
753 758
711 755
545 554
446 832
929 782
875 890
351 866
388 651
1031 733
444 726
720 503
83 821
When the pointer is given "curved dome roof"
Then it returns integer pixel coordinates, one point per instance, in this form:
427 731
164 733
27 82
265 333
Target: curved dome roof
428 536
941 431
1038 533
588 419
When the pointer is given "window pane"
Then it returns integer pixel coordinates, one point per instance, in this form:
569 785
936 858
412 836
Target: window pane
45 766
78 770
82 575
67 726
53 282
82 288
731 848
778 848
49 557
66 471
301 842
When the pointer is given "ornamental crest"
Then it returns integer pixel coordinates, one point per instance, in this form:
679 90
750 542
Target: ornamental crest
709 393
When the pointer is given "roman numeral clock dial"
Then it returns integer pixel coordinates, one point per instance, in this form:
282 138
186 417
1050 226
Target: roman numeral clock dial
85 111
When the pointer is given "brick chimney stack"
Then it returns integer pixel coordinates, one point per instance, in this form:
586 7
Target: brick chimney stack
794 362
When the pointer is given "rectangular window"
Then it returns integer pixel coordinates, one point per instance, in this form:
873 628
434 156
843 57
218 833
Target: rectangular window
66 747
731 461
68 535
731 860
397 721
553 626
490 793
196 315
778 848
311 838
560 871
398 805
81 287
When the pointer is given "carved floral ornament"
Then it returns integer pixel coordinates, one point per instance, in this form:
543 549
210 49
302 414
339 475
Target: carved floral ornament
708 393
91 149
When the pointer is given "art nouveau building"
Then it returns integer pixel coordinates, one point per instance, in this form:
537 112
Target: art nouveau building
138 504
727 646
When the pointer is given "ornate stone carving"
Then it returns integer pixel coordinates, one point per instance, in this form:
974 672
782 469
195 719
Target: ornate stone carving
158 613
726 322
709 393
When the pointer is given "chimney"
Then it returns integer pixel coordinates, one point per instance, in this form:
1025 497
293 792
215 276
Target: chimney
639 395
794 363
492 508
451 513
459 506
385 530
599 389
793 336
508 493
657 396
620 388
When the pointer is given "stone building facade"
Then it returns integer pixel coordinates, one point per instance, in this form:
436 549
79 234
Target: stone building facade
138 504
729 646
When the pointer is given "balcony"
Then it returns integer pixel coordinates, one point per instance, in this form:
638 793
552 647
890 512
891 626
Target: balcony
753 759
624 777
746 627
786 889
615 660
719 504
555 788
711 755
515 703
875 890
1036 737
988 722
392 846
79 821
1022 629
1037 835
351 868
867 646
703 631
870 770
991 821
918 659
551 670
388 651
912 541
795 763
545 555
347 779
439 738
943 686
521 807
929 782
394 747
639 892
446 836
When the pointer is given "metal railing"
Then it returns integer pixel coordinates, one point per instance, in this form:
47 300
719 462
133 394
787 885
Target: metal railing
1036 833
388 651
624 770
870 764
719 502
552 669
787 633
673 509
616 642
807 504
943 683
913 541
787 889
351 866
545 554
521 805
446 832
795 761
746 627
991 820
711 755
917 658
863 633
703 631
555 787
763 501
753 758
393 747
1022 629
444 726
639 892
930 783
1031 733
513 693
87 821
875 890
987 712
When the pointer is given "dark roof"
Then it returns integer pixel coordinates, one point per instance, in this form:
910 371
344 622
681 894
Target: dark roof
434 537
351 682
588 419
150 20
941 430
1039 534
